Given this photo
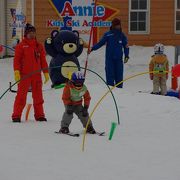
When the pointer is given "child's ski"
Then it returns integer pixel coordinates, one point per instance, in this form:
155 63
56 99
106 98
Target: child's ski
150 92
97 133
77 134
69 134
101 133
145 91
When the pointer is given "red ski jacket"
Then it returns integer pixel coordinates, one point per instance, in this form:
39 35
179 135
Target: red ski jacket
68 95
29 57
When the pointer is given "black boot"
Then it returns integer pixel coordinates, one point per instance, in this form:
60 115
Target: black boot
41 119
156 93
16 120
91 130
64 130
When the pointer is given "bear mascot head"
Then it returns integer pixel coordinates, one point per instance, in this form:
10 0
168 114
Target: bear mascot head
64 46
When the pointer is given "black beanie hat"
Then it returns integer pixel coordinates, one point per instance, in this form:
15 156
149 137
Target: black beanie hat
29 28
116 22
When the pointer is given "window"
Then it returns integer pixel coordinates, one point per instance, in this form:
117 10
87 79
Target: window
139 16
177 16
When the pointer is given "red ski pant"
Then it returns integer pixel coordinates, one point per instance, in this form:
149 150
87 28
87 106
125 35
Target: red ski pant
35 83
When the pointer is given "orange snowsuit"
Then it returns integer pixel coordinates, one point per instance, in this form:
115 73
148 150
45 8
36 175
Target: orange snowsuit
158 61
29 57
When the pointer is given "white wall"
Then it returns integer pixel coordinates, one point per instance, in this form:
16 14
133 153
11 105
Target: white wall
2 25
19 5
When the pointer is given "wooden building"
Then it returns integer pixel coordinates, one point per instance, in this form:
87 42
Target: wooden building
145 22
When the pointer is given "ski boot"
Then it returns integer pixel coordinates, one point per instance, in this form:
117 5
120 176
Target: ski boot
64 130
91 130
155 93
41 119
16 120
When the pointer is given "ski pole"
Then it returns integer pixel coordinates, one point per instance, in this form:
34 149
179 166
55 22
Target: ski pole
7 47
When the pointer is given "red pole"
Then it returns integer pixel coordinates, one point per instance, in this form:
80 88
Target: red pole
174 81
90 37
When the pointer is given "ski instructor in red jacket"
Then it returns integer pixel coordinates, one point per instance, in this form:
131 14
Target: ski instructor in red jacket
29 57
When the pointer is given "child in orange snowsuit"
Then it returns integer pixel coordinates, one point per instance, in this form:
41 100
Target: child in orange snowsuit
159 63
73 95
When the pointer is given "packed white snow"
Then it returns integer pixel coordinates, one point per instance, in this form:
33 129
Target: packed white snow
145 145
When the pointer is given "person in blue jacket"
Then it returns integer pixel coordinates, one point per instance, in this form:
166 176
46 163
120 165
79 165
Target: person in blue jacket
116 44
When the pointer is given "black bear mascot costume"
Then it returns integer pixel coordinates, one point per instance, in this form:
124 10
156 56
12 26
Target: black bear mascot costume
64 46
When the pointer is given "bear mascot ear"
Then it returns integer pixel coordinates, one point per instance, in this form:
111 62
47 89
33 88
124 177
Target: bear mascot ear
54 33
76 33
49 44
79 44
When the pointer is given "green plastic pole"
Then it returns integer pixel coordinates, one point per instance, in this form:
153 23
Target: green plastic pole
59 86
113 127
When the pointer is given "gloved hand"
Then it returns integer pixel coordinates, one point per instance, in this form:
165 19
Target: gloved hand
85 111
17 75
151 76
69 109
126 60
46 76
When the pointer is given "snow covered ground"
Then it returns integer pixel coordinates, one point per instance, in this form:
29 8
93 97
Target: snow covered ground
144 147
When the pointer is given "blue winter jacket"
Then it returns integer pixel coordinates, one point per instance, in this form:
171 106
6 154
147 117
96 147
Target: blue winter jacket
115 41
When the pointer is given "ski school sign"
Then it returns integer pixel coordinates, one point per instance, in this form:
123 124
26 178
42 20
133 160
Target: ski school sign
78 14
69 10
18 21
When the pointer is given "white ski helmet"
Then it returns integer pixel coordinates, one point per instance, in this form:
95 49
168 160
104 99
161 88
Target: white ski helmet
159 49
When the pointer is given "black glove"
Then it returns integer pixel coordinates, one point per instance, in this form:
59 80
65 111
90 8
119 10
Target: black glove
69 109
85 111
126 60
